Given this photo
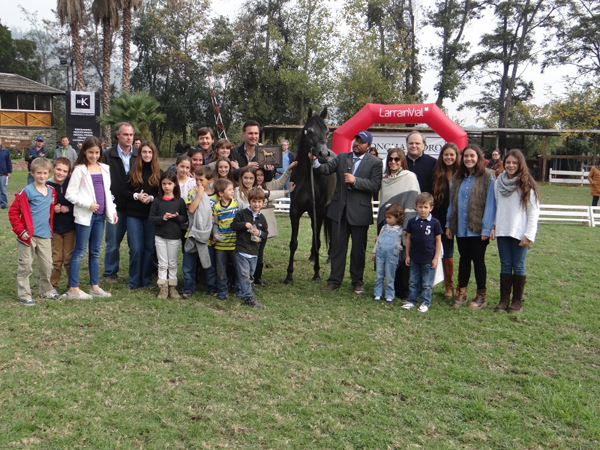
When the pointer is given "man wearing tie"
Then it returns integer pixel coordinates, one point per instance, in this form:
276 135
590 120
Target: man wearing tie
358 178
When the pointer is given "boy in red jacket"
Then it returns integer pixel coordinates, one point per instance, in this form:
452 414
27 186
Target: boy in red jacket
31 216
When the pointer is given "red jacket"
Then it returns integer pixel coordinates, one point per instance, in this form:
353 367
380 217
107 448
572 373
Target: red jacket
20 218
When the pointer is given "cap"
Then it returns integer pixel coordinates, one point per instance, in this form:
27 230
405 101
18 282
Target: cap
365 136
39 139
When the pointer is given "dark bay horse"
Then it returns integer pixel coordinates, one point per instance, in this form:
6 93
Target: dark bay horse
313 139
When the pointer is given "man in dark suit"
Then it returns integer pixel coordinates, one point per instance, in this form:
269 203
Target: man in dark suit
358 178
120 159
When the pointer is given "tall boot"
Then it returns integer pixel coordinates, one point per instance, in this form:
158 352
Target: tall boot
479 301
461 296
164 289
506 281
448 264
518 288
173 289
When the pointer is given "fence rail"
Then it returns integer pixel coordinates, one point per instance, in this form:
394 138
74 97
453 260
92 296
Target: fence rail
570 177
586 215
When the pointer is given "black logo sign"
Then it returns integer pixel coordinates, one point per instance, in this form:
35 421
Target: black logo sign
82 101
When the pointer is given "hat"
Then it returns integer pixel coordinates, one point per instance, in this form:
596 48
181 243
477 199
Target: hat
365 136
39 139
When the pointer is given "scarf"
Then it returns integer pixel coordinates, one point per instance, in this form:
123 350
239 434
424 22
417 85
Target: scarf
506 186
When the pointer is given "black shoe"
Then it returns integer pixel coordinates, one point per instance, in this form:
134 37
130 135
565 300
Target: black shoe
253 302
331 287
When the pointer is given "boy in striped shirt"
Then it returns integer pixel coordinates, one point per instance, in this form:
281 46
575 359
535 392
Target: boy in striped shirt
224 212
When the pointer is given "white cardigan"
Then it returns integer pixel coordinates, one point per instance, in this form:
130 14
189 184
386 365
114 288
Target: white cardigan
514 221
81 193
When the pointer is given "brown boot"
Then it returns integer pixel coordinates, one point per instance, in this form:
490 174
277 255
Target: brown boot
518 288
506 281
173 289
164 289
448 264
461 296
479 301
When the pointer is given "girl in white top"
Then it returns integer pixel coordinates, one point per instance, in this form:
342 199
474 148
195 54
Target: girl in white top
89 191
515 227
185 178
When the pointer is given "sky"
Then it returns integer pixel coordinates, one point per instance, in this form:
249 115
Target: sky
547 85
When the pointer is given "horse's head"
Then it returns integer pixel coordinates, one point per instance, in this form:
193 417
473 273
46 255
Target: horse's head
315 132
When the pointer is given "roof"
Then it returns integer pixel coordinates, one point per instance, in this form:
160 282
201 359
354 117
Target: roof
10 82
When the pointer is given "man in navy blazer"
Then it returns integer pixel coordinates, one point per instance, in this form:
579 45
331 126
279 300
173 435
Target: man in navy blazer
358 178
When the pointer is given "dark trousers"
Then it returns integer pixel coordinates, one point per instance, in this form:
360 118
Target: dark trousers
472 249
342 232
401 282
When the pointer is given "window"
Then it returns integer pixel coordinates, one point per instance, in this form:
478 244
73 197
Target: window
8 101
42 103
26 102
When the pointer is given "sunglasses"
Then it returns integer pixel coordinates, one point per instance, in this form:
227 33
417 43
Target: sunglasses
395 159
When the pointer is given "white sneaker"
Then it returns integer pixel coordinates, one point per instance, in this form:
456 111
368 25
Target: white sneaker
408 305
100 293
52 295
423 308
78 296
377 298
389 300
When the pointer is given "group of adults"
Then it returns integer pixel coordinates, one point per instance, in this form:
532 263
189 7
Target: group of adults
463 187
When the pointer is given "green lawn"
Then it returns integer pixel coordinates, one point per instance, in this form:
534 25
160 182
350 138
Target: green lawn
309 370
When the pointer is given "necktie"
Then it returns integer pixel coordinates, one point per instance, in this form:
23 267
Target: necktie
356 159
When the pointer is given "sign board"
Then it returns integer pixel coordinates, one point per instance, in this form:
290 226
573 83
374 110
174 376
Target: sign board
82 110
383 141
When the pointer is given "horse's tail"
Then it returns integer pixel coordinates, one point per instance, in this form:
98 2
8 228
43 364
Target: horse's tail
327 230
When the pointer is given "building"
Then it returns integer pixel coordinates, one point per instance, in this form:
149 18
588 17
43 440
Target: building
26 111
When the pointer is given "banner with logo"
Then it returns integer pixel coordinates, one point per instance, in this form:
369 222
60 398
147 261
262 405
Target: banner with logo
383 141
82 110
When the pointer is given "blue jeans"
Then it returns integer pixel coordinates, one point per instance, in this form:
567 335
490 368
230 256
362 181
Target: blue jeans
29 178
223 257
114 236
421 276
3 197
189 267
87 235
512 256
386 263
245 268
210 274
140 239
595 200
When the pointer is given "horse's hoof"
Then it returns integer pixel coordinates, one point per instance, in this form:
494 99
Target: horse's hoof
311 258
328 261
288 281
317 280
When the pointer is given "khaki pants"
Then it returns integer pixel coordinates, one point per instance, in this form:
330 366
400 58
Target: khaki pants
42 248
62 249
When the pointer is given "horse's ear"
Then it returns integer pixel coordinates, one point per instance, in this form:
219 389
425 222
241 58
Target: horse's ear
309 113
324 113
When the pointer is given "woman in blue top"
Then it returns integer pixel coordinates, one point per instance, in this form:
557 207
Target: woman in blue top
471 218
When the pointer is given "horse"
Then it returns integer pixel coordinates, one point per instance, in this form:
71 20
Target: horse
312 192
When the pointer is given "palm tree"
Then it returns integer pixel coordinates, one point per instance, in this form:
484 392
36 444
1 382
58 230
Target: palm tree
128 5
107 13
137 108
73 12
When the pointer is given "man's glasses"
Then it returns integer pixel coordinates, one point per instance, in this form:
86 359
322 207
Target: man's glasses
395 159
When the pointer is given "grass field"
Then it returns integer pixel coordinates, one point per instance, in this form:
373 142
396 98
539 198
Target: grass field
309 370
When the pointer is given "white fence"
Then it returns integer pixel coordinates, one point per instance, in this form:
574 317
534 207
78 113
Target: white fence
585 215
569 177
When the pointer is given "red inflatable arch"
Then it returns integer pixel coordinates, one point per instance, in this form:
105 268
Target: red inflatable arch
371 113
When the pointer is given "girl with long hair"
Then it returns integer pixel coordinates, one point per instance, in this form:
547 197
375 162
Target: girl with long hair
247 181
445 168
142 188
470 218
89 191
517 214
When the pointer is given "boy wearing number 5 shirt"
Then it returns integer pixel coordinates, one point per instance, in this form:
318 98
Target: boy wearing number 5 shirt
423 248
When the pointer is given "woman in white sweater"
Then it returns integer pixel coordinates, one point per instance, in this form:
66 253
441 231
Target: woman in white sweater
517 213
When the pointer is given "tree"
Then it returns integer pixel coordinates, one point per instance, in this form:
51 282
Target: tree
450 19
107 13
18 55
137 108
73 12
578 38
128 5
506 48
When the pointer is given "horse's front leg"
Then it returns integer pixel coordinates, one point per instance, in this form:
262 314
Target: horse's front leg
295 222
